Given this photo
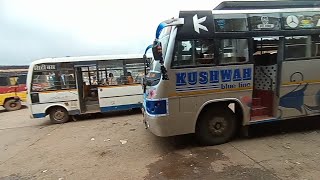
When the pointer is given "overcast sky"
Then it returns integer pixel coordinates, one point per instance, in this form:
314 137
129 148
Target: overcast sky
34 29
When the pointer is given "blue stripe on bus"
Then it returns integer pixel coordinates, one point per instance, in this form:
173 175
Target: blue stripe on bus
264 121
203 86
120 107
39 115
190 89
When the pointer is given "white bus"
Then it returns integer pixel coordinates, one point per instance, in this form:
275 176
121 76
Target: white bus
240 64
62 87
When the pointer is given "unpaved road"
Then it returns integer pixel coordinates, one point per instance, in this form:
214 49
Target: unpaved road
91 149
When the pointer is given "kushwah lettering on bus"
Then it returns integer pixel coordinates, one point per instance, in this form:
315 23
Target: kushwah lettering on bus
214 79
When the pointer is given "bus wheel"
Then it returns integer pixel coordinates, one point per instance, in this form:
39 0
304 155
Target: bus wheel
216 126
12 105
59 115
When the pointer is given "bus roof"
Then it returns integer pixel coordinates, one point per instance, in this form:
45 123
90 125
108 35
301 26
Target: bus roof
261 11
246 5
89 58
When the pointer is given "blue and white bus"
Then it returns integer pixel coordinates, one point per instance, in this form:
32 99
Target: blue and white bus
68 86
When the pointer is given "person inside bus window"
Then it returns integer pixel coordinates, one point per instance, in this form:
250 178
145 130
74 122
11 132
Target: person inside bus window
94 80
129 78
112 80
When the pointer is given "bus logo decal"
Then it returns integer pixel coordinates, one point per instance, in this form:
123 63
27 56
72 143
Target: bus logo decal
292 21
192 78
226 75
213 79
203 77
197 23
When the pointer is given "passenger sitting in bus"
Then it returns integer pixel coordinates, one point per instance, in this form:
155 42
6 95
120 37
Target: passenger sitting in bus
129 78
112 80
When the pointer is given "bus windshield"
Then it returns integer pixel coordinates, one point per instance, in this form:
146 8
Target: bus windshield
155 73
164 39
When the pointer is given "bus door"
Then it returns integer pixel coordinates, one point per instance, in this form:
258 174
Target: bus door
87 86
267 58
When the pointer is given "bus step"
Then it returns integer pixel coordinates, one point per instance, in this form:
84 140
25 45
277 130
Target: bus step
256 101
260 118
93 107
259 111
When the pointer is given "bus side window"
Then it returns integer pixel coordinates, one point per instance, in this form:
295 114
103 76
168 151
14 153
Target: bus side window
67 80
204 52
46 80
233 51
297 47
4 81
193 53
183 53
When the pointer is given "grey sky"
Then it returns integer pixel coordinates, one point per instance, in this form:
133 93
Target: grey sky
35 29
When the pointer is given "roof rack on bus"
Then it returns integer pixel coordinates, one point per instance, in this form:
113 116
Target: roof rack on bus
243 5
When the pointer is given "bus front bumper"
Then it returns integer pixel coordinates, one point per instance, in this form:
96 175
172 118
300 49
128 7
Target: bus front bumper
157 125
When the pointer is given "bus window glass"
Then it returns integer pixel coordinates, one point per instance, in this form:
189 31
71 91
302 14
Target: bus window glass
67 79
265 22
193 52
183 54
3 81
231 23
164 39
233 51
22 79
89 75
102 76
297 47
135 69
46 80
316 46
115 76
301 20
67 76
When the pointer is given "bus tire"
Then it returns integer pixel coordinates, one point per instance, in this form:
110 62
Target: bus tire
216 126
12 105
58 115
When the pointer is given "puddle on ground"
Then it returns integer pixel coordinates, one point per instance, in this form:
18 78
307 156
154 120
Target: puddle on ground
197 165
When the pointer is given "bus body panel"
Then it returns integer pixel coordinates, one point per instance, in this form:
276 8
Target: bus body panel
81 97
114 91
58 96
65 98
39 110
300 89
124 97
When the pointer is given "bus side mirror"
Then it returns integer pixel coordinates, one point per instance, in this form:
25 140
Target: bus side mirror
157 51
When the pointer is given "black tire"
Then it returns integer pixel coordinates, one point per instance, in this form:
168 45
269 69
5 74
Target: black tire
58 115
216 126
12 105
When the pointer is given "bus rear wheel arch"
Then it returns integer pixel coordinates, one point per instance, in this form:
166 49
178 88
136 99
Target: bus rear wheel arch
217 123
58 114
12 104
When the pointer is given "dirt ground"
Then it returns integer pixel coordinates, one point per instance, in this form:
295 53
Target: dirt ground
117 146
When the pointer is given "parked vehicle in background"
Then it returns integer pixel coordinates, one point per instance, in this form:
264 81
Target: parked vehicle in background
12 91
240 64
68 86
